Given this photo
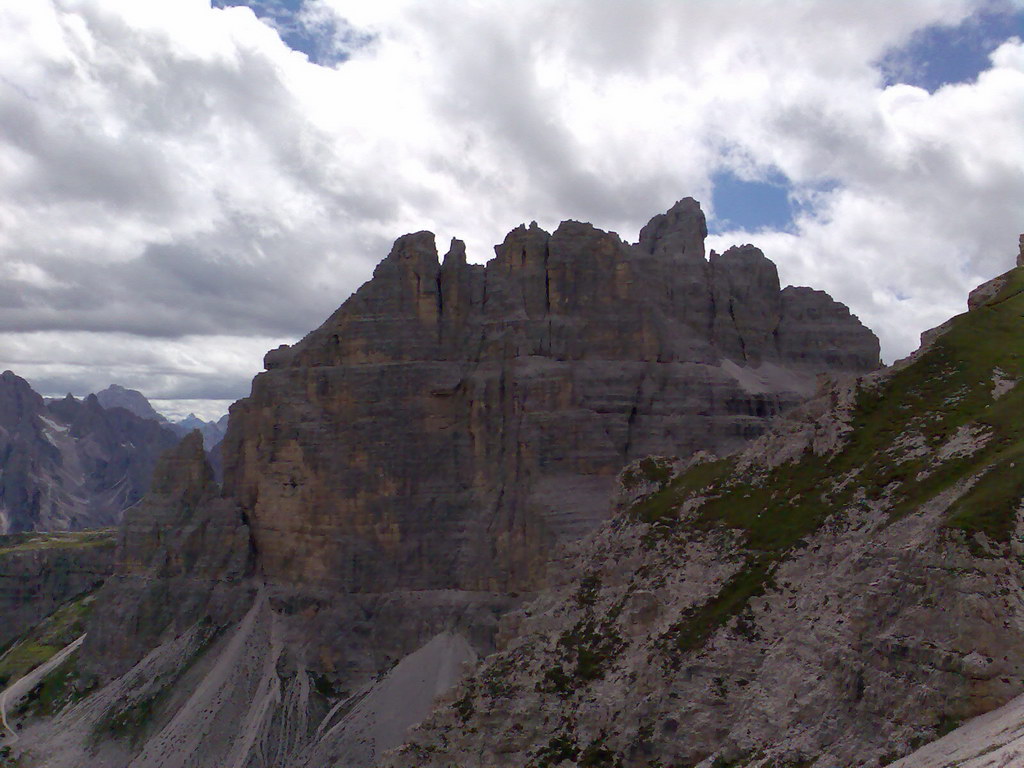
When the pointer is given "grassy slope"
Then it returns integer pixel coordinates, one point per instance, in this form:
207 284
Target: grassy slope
947 388
45 639
33 541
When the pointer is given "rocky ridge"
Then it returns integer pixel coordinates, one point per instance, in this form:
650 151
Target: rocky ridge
70 464
484 410
402 476
116 396
843 591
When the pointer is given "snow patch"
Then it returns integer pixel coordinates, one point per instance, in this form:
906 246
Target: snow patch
53 426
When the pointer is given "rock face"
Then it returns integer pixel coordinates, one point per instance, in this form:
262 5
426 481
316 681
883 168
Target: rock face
846 589
70 464
483 411
41 572
180 554
401 476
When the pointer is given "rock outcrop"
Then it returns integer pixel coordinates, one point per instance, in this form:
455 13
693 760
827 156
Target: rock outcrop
41 572
116 396
70 464
212 431
181 554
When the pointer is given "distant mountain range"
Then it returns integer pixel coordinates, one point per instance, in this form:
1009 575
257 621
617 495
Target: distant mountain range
116 396
71 464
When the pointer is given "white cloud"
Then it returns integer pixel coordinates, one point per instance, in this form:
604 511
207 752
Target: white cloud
173 177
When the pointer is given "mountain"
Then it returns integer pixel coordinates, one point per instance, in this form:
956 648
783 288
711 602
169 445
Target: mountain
482 412
116 396
42 574
412 471
844 590
70 464
212 431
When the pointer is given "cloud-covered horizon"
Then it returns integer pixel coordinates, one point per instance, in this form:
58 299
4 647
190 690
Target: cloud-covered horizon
180 190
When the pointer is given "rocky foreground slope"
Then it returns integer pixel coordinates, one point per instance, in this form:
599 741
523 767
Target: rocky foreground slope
843 591
403 476
70 464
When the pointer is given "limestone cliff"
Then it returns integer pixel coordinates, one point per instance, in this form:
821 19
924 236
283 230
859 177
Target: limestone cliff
483 411
40 572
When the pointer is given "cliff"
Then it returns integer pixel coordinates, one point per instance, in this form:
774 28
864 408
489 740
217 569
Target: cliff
482 412
41 572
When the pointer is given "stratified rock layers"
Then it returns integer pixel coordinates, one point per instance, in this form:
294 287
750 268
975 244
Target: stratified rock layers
451 421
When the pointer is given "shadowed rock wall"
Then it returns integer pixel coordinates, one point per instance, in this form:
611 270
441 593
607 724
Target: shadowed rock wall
451 421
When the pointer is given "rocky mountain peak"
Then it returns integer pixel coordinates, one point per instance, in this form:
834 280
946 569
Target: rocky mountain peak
845 589
183 472
116 396
17 399
491 405
69 463
456 256
679 232
417 249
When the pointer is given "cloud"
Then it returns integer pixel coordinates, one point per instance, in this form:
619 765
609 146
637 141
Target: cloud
174 176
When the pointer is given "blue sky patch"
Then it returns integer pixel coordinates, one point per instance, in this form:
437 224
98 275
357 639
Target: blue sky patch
940 55
750 205
326 40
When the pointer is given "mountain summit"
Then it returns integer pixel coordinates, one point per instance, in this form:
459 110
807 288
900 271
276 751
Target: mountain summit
413 470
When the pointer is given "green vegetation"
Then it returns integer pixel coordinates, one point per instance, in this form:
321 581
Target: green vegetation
586 649
61 688
559 749
662 506
129 723
598 755
697 624
45 639
946 390
6 760
653 469
464 706
33 541
496 678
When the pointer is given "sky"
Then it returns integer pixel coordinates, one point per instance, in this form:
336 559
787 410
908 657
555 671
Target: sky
185 186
